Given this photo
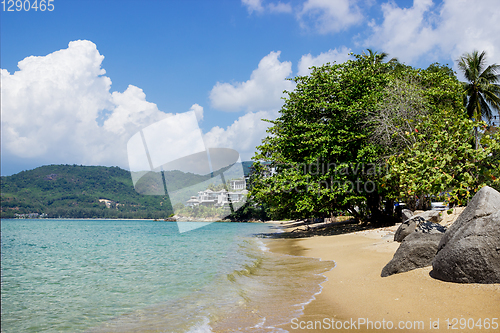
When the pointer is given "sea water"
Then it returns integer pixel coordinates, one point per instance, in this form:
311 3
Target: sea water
145 276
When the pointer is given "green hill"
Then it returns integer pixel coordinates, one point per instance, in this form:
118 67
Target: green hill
72 191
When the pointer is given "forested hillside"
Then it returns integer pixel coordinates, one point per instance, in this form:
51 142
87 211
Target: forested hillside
73 191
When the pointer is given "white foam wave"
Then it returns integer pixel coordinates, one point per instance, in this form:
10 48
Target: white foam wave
204 327
262 246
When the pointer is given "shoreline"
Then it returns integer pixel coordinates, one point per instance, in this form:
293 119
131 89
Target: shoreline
354 288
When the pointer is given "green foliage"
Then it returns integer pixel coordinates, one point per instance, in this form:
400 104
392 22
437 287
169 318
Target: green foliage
251 211
443 161
201 211
408 123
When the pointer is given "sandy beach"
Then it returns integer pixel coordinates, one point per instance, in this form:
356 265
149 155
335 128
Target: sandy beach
356 294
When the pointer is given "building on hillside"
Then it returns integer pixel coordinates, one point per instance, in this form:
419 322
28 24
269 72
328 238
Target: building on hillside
216 198
109 203
220 198
238 184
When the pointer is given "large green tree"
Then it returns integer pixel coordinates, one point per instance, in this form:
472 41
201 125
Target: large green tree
321 157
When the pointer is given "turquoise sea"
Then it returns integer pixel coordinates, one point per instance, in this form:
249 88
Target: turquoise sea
145 276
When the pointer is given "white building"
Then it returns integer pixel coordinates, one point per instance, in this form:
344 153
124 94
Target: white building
216 198
220 198
238 184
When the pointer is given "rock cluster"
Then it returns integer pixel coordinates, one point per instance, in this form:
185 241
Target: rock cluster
467 252
419 236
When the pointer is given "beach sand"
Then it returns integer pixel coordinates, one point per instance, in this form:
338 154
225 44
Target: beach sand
354 289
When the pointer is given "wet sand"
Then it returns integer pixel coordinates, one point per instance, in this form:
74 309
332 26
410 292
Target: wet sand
356 290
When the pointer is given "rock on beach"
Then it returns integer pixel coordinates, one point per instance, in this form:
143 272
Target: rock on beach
469 251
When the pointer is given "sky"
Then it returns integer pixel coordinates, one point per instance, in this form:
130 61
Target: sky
78 82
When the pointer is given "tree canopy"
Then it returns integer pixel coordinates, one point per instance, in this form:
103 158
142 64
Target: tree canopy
355 137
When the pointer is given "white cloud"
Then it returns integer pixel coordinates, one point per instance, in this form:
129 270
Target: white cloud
49 97
51 105
330 56
257 6
467 25
253 5
131 111
430 31
172 138
329 16
405 32
262 92
280 7
198 110
243 135
323 16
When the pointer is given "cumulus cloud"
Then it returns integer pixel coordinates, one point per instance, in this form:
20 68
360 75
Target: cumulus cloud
198 110
431 31
262 92
468 25
51 106
407 32
50 97
131 111
329 16
331 56
243 135
58 108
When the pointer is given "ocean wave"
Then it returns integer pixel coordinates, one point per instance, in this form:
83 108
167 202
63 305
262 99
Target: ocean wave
203 327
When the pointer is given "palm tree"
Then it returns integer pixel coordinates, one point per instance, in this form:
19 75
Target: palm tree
377 58
482 91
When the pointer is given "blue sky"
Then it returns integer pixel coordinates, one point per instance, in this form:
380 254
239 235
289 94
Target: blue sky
103 70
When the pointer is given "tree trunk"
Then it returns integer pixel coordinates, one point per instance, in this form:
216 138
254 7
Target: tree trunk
389 207
475 138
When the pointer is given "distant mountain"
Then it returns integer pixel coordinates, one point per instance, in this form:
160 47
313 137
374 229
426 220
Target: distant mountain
72 191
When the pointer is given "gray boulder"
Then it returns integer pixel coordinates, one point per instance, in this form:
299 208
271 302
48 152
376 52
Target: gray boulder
406 214
427 227
417 250
469 251
407 227
434 216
